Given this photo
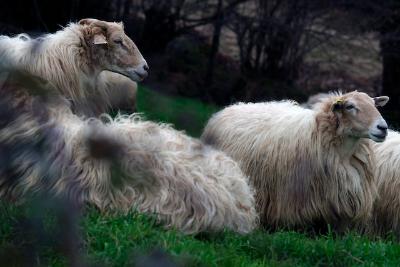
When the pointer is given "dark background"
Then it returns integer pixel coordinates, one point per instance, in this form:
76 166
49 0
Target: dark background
219 52
222 51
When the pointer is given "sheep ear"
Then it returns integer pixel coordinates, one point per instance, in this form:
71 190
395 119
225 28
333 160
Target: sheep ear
337 105
380 101
86 21
99 39
94 23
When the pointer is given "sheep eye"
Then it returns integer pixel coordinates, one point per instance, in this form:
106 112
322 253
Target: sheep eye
118 41
350 107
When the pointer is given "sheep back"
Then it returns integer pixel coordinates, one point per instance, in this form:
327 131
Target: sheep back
386 215
289 154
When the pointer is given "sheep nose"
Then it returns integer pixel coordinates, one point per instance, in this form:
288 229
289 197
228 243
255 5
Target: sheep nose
142 71
382 127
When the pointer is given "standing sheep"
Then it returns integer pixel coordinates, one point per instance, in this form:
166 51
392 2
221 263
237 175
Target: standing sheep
123 164
73 58
307 166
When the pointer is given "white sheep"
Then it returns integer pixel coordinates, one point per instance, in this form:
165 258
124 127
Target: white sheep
123 164
307 166
73 58
386 215
314 99
120 93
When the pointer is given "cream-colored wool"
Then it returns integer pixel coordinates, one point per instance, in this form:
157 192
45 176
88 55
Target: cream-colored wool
73 58
120 92
307 166
387 173
154 168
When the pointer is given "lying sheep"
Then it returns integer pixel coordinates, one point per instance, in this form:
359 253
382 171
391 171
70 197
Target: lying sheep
314 99
386 213
73 58
121 94
386 217
123 164
307 166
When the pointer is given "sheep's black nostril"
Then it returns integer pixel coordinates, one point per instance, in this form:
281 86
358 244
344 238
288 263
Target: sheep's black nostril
146 67
382 127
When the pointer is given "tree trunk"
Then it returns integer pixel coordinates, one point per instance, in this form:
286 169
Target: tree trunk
391 79
127 10
219 21
390 49
159 28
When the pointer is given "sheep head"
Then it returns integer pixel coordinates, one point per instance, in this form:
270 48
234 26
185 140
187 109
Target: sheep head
357 115
111 49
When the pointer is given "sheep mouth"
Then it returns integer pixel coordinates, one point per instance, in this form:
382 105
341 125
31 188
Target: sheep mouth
141 76
132 75
378 137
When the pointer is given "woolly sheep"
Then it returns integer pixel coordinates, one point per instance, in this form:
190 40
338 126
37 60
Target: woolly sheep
307 166
120 92
152 167
314 99
386 215
72 59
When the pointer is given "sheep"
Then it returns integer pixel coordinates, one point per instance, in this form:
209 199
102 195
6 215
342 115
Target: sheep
314 99
121 94
386 214
308 167
125 163
73 58
122 91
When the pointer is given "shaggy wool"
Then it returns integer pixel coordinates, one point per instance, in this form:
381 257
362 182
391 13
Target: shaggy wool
308 167
72 62
122 164
386 213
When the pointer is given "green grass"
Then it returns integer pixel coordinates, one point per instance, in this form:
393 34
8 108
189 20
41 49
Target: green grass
116 240
112 240
184 113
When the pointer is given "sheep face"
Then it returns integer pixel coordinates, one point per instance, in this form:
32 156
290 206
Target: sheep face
111 49
358 116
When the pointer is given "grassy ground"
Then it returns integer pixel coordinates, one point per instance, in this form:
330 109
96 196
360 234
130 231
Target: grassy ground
118 240
185 113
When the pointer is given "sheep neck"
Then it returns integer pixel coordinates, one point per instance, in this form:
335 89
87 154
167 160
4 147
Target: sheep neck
333 139
71 59
61 59
347 146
